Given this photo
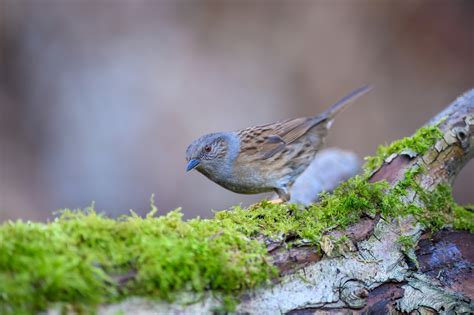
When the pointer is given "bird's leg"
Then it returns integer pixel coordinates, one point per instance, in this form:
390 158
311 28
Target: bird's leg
276 201
283 194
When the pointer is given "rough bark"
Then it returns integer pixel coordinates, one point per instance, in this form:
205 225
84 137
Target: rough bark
372 275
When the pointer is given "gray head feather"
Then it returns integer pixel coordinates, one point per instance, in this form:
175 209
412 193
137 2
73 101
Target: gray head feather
215 154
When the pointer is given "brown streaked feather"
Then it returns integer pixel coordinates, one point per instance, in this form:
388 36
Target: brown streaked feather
291 130
273 138
269 153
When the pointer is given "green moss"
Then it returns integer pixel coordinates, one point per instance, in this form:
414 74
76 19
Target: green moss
463 217
78 259
407 247
419 143
406 242
439 208
337 210
75 259
442 210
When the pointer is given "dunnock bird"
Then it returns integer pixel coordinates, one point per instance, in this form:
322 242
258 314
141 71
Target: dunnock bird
267 157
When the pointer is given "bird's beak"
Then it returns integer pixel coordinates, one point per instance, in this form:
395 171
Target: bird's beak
192 164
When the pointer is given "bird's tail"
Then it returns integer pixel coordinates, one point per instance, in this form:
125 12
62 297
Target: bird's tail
346 100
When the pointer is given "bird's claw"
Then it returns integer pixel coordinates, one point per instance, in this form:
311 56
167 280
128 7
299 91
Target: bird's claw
276 201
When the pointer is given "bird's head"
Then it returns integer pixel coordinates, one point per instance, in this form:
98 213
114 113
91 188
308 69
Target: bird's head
209 154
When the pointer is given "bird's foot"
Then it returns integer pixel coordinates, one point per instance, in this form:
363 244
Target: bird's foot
276 201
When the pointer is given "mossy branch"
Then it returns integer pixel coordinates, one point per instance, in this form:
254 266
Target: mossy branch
353 249
377 270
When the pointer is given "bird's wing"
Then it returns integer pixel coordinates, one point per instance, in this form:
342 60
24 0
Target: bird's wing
286 132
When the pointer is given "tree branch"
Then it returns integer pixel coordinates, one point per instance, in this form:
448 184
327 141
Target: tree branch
371 271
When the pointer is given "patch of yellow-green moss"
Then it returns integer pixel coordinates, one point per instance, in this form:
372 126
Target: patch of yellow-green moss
80 258
337 210
419 143
438 206
406 243
463 217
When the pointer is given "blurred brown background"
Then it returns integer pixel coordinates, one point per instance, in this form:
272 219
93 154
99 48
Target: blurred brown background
99 99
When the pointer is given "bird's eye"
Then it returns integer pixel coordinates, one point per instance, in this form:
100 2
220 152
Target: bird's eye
207 148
